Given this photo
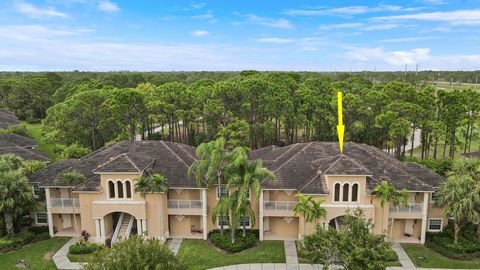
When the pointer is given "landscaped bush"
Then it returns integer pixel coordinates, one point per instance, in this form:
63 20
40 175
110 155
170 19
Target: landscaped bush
241 243
467 248
391 256
84 247
38 229
15 242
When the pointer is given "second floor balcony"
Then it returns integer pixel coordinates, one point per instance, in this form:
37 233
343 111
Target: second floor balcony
279 208
64 205
193 207
406 210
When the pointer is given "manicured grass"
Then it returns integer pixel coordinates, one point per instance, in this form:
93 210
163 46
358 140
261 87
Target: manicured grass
79 257
37 255
425 257
35 130
199 255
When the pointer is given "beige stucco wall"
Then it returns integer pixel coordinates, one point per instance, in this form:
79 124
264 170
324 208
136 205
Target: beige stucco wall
183 227
184 194
279 226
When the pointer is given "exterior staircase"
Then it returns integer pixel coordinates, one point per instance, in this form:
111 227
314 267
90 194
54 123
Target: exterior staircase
123 228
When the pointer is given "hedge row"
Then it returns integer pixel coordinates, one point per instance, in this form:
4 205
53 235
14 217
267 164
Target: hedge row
467 248
20 240
241 243
84 248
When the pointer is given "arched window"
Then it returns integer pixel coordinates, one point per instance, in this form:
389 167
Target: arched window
336 196
120 189
345 193
111 189
129 189
354 192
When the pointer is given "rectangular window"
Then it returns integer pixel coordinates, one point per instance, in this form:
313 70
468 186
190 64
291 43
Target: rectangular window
435 225
41 218
223 220
246 221
36 190
222 191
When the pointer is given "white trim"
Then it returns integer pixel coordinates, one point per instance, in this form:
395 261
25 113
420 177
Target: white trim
218 191
348 175
119 201
347 205
118 173
36 218
441 225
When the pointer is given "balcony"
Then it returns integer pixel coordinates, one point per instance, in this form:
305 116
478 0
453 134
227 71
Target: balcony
185 207
411 209
279 208
64 205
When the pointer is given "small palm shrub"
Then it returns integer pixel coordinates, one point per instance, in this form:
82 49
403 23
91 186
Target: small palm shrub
241 243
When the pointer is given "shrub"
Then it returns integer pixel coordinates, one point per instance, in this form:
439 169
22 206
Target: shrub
40 236
135 253
38 229
83 247
15 242
467 248
241 243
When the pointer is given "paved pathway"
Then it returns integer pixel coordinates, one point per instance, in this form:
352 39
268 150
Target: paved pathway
403 257
290 252
175 245
61 260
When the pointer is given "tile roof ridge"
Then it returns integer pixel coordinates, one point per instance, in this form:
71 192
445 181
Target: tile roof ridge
188 153
335 162
310 181
99 150
389 160
354 161
305 147
129 160
50 165
86 181
35 153
289 149
175 154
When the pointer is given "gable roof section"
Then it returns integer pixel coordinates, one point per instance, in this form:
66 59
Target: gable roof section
301 167
53 169
125 162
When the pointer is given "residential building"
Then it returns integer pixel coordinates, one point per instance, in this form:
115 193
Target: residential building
107 206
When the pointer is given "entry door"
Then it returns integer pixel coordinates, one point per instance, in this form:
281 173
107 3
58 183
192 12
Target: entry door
67 221
409 226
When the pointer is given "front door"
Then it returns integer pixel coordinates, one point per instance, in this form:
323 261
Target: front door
67 221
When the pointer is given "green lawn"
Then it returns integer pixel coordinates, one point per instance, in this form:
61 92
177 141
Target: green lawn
199 255
35 130
37 255
79 257
425 257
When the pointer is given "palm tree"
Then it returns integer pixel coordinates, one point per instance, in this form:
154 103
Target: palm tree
15 196
222 210
311 209
247 176
388 193
152 184
460 197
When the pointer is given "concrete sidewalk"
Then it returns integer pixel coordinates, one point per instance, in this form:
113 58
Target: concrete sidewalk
61 260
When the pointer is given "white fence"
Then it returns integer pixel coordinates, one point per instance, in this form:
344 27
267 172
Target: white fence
64 202
279 205
409 208
184 204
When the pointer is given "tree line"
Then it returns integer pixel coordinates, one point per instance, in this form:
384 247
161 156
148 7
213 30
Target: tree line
249 108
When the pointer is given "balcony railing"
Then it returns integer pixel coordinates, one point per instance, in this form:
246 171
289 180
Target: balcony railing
184 204
409 208
279 205
64 202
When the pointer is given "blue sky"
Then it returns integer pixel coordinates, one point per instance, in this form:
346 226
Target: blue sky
159 35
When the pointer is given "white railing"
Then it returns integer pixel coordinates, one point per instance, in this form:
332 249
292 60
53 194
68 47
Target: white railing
117 228
409 208
279 205
64 202
184 204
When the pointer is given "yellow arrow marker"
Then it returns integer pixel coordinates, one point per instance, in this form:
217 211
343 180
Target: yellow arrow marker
340 126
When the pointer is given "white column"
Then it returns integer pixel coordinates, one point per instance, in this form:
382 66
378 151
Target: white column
144 226
49 212
204 213
424 217
139 226
260 224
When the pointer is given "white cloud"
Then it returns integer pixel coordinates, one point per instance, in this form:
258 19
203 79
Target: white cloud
458 17
348 10
406 39
359 26
435 2
108 6
271 22
391 57
197 5
37 12
275 40
208 16
31 33
199 33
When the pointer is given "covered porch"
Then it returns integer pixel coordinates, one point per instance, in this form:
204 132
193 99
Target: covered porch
280 228
185 226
